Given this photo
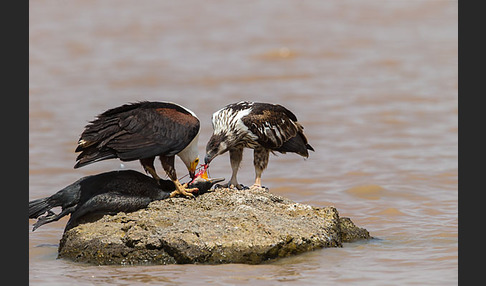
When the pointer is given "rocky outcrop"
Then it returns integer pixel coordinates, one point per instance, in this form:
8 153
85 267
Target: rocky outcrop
224 226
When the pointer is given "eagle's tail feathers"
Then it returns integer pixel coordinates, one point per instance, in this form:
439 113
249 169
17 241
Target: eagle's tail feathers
90 156
296 145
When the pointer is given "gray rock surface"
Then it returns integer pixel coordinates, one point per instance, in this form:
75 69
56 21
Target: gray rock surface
224 226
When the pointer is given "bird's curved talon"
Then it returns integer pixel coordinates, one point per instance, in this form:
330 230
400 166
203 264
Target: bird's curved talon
184 193
190 190
217 186
233 186
256 186
229 186
183 190
239 187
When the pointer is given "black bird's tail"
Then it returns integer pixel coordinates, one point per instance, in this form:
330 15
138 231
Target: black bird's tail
39 207
66 198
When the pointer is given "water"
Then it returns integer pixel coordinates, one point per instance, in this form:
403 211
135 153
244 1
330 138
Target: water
373 82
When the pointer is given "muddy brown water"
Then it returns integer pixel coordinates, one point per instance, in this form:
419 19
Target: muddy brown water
373 82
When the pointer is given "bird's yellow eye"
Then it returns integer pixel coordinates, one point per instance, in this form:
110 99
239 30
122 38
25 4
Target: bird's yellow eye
197 161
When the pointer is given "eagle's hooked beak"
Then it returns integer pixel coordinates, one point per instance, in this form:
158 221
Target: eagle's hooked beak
207 159
192 168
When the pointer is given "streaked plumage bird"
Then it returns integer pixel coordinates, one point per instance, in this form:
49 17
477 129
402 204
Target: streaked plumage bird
264 127
107 193
142 131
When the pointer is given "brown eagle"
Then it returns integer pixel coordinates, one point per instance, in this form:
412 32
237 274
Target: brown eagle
142 131
263 127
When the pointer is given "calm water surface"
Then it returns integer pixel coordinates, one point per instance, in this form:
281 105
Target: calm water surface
373 82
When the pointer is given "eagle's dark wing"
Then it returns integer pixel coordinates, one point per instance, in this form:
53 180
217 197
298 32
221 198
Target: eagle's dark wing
137 131
273 124
277 128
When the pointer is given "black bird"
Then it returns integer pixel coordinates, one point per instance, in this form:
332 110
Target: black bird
107 193
142 131
263 127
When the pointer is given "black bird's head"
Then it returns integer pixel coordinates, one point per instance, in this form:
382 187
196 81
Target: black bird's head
204 184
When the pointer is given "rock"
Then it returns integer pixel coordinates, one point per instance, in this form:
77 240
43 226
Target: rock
224 226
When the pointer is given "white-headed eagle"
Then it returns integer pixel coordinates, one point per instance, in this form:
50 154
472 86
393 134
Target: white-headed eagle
263 127
142 131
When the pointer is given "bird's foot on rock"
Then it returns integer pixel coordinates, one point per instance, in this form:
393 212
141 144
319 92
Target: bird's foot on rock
232 186
258 186
217 186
